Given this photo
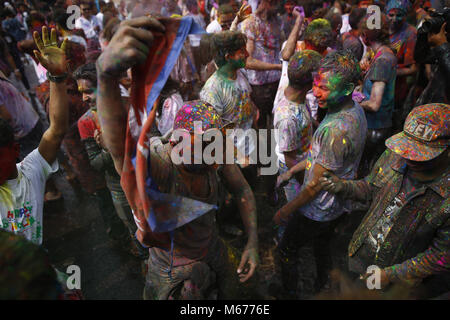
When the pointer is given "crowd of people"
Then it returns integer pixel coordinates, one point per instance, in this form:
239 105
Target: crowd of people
352 97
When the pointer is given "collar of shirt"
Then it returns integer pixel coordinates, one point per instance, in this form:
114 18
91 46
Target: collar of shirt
440 185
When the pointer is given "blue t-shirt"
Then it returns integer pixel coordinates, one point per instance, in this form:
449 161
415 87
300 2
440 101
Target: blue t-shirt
383 68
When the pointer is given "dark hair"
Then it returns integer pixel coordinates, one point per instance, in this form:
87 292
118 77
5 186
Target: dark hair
26 272
380 35
352 44
355 17
301 66
87 71
342 63
7 13
335 20
227 42
60 17
319 33
6 133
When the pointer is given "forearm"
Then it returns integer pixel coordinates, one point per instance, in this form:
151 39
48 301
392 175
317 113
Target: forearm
247 207
58 111
291 43
254 64
305 196
113 117
359 190
291 162
406 71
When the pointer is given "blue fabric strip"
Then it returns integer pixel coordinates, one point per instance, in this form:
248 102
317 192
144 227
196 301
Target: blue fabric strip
187 26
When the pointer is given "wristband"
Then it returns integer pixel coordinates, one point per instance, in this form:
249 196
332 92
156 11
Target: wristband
57 79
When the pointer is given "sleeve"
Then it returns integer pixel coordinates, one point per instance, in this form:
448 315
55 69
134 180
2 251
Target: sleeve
334 147
86 128
36 168
287 135
98 159
363 190
410 44
434 260
443 57
381 70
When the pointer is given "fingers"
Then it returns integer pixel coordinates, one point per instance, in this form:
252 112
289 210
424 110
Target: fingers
45 38
243 261
244 277
38 55
53 38
64 46
146 23
38 40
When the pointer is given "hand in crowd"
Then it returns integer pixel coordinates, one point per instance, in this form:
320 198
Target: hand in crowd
129 46
49 55
248 264
331 183
435 40
99 139
281 217
244 12
283 179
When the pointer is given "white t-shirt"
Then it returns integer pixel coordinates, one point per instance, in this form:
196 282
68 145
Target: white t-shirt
214 27
22 199
88 26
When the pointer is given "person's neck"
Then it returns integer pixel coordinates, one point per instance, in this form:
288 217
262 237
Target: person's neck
228 72
295 95
346 103
376 46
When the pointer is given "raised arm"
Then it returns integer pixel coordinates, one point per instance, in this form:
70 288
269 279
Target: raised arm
289 48
129 46
54 60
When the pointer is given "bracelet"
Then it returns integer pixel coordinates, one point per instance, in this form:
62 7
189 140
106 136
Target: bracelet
57 79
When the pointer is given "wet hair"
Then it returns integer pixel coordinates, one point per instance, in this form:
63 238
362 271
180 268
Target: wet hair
87 71
355 17
380 35
227 42
342 63
6 133
207 50
353 44
26 272
319 33
301 66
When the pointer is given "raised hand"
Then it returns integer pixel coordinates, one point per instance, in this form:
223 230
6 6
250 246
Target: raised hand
50 55
129 46
244 12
